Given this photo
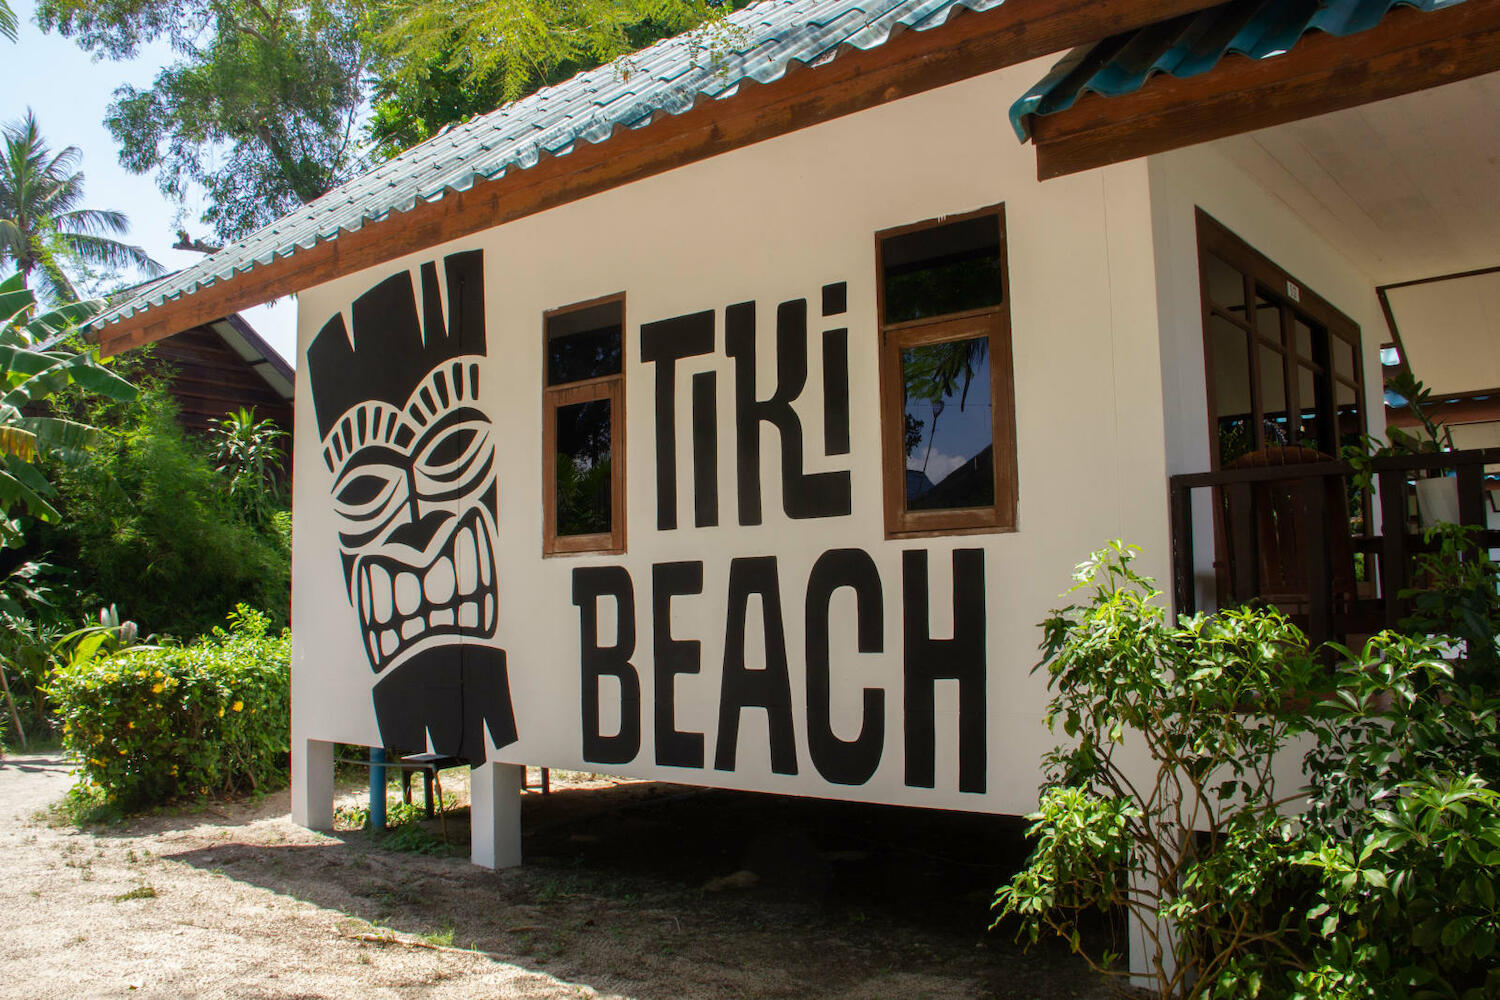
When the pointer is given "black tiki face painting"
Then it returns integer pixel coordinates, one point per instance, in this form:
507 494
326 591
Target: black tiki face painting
415 498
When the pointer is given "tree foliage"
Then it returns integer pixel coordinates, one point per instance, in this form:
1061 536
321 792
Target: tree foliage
43 229
152 527
259 110
251 453
439 63
33 368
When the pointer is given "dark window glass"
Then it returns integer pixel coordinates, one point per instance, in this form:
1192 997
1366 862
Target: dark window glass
1226 286
1313 434
1231 365
1273 396
1343 357
584 343
1267 318
942 269
949 437
583 468
1304 336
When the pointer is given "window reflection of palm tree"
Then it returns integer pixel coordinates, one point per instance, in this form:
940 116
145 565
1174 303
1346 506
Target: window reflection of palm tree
933 373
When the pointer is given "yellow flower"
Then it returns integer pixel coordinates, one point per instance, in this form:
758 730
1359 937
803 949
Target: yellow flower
132 725
157 674
156 689
221 713
237 706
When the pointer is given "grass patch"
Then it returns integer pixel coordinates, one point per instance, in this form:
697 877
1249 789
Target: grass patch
139 892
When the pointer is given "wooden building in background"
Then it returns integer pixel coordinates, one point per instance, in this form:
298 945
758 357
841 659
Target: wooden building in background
220 366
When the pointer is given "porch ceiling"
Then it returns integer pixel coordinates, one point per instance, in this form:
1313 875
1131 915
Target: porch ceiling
1407 188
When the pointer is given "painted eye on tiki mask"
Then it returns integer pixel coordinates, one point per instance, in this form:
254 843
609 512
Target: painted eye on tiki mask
455 457
369 489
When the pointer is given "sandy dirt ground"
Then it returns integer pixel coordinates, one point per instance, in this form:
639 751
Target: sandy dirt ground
634 890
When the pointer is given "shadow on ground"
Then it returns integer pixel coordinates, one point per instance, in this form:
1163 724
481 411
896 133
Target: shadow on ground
640 888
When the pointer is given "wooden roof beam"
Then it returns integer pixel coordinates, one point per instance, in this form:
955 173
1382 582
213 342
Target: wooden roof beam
1409 50
909 63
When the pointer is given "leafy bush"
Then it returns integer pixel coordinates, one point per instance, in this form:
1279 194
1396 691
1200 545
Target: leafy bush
152 527
1164 802
1165 799
26 657
154 723
1403 826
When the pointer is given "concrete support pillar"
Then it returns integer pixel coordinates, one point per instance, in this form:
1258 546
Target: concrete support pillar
312 784
495 814
1153 938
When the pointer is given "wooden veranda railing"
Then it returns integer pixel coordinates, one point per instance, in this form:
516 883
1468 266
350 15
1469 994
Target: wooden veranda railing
1254 508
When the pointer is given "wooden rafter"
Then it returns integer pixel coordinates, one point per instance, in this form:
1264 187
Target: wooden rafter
1482 406
910 63
1409 50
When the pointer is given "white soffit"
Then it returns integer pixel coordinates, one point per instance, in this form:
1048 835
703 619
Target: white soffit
1409 188
1451 331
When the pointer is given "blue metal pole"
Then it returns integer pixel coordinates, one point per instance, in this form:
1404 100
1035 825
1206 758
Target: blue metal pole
377 788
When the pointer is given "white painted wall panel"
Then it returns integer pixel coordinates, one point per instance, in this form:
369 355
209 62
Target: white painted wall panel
772 223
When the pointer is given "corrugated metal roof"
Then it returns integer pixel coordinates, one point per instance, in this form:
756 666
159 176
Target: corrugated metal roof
1195 43
760 43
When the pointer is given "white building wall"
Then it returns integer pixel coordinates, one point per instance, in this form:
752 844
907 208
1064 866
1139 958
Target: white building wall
771 223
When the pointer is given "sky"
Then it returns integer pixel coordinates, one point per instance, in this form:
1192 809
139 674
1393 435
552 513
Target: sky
69 93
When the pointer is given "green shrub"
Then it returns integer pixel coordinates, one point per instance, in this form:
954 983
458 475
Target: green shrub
1163 799
154 723
151 527
1403 826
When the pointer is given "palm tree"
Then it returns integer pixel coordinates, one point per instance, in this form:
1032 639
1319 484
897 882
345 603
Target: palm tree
41 226
7 21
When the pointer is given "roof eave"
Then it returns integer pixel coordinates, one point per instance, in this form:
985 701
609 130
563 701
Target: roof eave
1409 50
911 62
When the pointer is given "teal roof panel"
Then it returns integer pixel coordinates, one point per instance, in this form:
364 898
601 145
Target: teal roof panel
1195 43
759 43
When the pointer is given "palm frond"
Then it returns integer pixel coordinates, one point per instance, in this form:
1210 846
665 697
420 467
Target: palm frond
19 442
56 437
8 23
113 253
19 485
92 221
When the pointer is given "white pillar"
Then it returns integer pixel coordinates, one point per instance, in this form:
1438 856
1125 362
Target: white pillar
1153 938
495 814
312 784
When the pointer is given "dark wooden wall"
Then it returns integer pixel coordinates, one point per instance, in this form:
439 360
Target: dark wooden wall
210 379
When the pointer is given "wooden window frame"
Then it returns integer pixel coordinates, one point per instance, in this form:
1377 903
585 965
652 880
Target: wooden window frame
612 388
1263 277
992 322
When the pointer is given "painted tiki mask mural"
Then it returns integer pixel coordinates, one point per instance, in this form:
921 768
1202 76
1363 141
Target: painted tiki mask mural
415 498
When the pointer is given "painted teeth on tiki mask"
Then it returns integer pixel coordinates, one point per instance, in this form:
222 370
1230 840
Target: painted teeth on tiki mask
413 463
415 503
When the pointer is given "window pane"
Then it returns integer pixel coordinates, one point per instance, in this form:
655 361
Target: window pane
584 343
1302 334
944 269
1347 402
1311 433
1231 381
949 437
1273 396
1226 286
583 468
1343 357
1267 318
